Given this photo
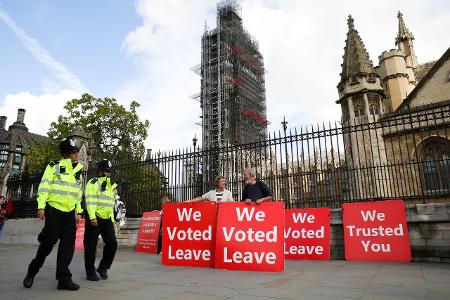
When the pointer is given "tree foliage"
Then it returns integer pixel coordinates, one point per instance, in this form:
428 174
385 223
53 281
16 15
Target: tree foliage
115 132
40 155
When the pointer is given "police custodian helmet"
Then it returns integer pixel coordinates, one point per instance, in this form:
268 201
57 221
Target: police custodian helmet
103 165
67 146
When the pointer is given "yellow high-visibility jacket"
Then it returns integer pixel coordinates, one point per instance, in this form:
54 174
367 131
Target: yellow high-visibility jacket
100 203
61 186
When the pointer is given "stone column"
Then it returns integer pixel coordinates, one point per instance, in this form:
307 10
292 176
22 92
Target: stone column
366 104
79 136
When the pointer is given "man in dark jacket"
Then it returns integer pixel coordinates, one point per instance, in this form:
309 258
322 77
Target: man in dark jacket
255 190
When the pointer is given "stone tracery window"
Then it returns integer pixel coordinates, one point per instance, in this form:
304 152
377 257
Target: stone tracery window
435 159
358 106
3 154
374 105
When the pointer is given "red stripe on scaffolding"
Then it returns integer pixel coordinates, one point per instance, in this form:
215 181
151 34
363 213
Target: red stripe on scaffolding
252 115
238 51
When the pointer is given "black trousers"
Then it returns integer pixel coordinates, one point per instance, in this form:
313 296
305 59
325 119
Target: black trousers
105 227
160 238
58 226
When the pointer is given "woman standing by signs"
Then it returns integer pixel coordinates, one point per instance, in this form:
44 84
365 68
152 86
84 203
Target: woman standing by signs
219 194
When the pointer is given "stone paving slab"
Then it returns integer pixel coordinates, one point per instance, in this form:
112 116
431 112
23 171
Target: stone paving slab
141 276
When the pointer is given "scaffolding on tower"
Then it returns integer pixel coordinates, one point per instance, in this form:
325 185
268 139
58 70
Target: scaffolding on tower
233 95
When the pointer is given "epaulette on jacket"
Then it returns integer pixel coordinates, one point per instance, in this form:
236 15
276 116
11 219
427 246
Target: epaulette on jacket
93 180
53 163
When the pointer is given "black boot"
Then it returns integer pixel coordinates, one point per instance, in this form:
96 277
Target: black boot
28 281
68 285
92 277
103 273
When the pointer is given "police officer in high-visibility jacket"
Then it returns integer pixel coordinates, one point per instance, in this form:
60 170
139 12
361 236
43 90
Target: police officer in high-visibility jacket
59 203
100 196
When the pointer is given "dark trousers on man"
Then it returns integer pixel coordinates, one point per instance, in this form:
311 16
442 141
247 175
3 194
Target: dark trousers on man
105 227
58 226
159 249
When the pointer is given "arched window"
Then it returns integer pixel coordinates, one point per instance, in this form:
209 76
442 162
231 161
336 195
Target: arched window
358 106
374 105
3 154
435 159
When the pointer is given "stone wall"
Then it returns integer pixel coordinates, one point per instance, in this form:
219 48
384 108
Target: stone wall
127 237
405 153
436 89
21 231
25 232
429 231
428 225
336 235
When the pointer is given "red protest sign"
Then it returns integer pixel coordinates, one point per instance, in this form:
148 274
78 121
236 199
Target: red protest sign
149 232
376 231
307 233
250 237
79 235
189 231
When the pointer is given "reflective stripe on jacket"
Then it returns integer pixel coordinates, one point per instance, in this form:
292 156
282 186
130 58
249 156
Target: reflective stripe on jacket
100 203
61 186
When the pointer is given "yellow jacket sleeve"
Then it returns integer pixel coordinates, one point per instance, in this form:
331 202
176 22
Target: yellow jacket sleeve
114 188
78 208
91 199
44 186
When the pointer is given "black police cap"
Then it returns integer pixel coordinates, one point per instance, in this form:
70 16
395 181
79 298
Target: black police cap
67 146
103 165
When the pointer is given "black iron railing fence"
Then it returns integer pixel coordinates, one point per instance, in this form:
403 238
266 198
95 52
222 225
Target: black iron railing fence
398 156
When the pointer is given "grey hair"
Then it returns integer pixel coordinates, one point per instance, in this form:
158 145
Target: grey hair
251 172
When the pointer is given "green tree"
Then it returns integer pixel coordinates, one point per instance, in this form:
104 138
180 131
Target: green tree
40 155
115 132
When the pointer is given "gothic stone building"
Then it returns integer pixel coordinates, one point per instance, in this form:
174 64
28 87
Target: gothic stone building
14 144
17 140
399 112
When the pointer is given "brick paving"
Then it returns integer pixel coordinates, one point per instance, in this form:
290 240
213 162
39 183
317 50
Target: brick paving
141 276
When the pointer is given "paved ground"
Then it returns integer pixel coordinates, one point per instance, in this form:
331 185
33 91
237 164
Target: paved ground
141 276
